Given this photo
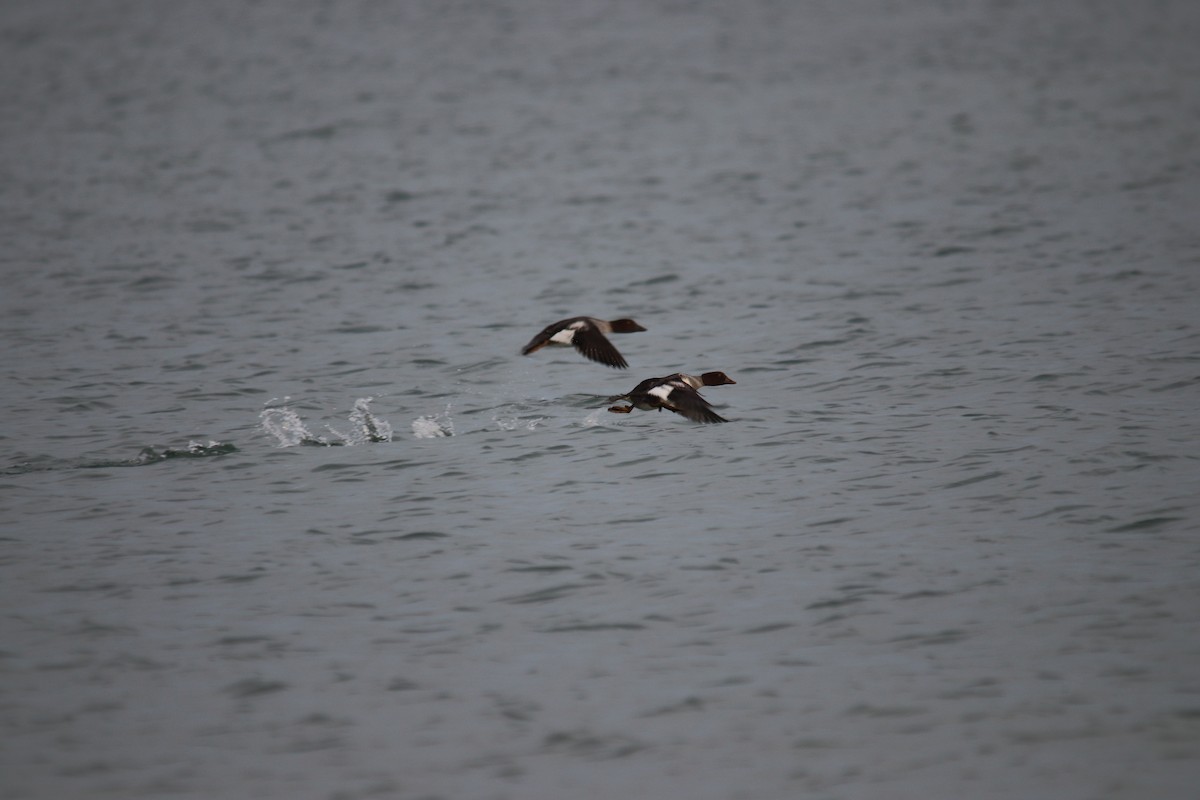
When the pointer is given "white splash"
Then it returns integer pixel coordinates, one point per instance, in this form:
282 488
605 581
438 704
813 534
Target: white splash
286 426
598 418
516 423
368 428
289 430
434 426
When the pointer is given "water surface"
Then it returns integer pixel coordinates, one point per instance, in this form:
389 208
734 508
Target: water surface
286 513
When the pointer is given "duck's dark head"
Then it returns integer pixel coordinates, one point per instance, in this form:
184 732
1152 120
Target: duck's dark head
716 379
625 326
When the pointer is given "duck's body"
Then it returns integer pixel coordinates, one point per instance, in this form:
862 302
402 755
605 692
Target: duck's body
705 379
585 334
678 393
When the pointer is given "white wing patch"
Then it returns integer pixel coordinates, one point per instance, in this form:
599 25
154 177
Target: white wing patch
661 392
565 336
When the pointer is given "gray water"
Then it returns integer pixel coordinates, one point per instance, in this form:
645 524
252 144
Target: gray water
285 514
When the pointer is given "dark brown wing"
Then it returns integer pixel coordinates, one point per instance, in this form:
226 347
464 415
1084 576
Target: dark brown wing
687 402
645 386
591 343
542 339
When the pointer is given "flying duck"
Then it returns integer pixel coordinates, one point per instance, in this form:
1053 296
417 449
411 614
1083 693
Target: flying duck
585 334
678 393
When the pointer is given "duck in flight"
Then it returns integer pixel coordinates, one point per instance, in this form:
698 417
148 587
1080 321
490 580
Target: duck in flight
678 393
585 334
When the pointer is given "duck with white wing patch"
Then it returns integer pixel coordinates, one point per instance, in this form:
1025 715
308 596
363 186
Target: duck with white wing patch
585 334
678 393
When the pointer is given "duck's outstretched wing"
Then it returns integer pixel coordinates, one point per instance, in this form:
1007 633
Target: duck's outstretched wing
593 344
687 402
541 340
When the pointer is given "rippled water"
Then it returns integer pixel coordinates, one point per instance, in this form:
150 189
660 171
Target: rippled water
286 514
